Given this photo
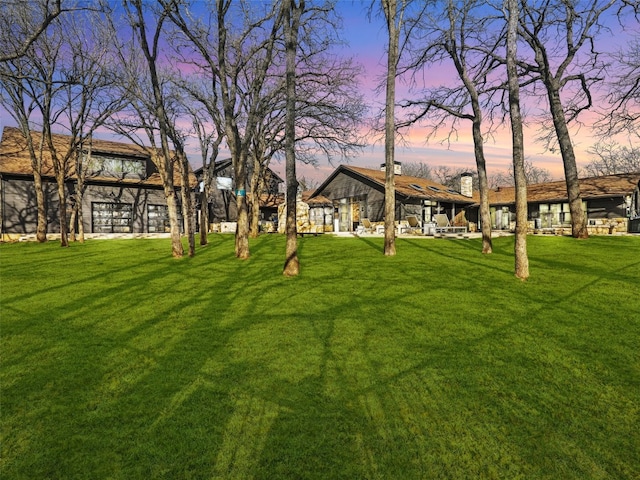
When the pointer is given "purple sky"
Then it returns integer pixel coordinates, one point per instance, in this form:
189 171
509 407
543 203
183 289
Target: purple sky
366 43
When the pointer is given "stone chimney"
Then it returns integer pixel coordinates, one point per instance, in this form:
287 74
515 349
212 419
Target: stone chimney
466 184
397 168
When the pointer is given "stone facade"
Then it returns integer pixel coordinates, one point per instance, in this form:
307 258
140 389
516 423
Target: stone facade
303 222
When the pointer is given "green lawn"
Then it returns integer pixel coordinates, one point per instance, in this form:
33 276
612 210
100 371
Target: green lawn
121 362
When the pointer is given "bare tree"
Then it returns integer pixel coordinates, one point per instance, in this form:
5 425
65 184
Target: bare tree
237 47
622 113
394 16
329 109
87 97
612 158
266 144
419 170
248 63
202 107
148 112
17 95
258 60
46 56
532 173
292 14
65 82
562 37
453 36
22 23
521 257
450 177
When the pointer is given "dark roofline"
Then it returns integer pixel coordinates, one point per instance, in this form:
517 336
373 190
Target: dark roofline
218 165
226 162
327 181
402 196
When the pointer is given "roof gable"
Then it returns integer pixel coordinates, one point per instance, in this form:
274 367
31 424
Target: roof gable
406 186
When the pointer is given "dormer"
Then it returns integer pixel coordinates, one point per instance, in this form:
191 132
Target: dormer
116 166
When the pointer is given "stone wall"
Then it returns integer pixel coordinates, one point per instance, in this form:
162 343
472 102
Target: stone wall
303 222
603 226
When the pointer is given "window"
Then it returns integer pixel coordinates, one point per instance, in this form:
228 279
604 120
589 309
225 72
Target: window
555 214
316 215
111 217
110 166
634 203
435 189
158 218
416 187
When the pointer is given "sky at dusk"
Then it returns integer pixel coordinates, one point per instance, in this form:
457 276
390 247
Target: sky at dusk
367 40
366 43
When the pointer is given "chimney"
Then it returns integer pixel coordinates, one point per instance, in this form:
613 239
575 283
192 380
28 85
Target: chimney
397 168
466 184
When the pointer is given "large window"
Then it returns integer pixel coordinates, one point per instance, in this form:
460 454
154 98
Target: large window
111 217
556 214
110 166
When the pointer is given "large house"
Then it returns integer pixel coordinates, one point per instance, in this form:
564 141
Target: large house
358 193
123 193
612 202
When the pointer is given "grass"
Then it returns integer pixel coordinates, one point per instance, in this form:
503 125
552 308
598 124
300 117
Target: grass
120 362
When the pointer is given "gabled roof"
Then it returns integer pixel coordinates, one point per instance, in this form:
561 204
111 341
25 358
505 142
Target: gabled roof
218 165
310 198
593 187
406 186
15 158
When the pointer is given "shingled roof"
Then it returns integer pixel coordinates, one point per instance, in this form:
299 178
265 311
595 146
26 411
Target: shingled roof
406 186
15 158
593 187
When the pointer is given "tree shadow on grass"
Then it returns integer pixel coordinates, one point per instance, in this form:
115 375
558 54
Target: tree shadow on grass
254 376
459 253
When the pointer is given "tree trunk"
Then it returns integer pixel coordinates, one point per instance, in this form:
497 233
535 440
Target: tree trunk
188 213
72 223
62 207
292 21
204 215
177 250
36 165
204 201
165 169
521 257
80 216
166 175
578 218
242 229
254 199
485 213
390 8
41 227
